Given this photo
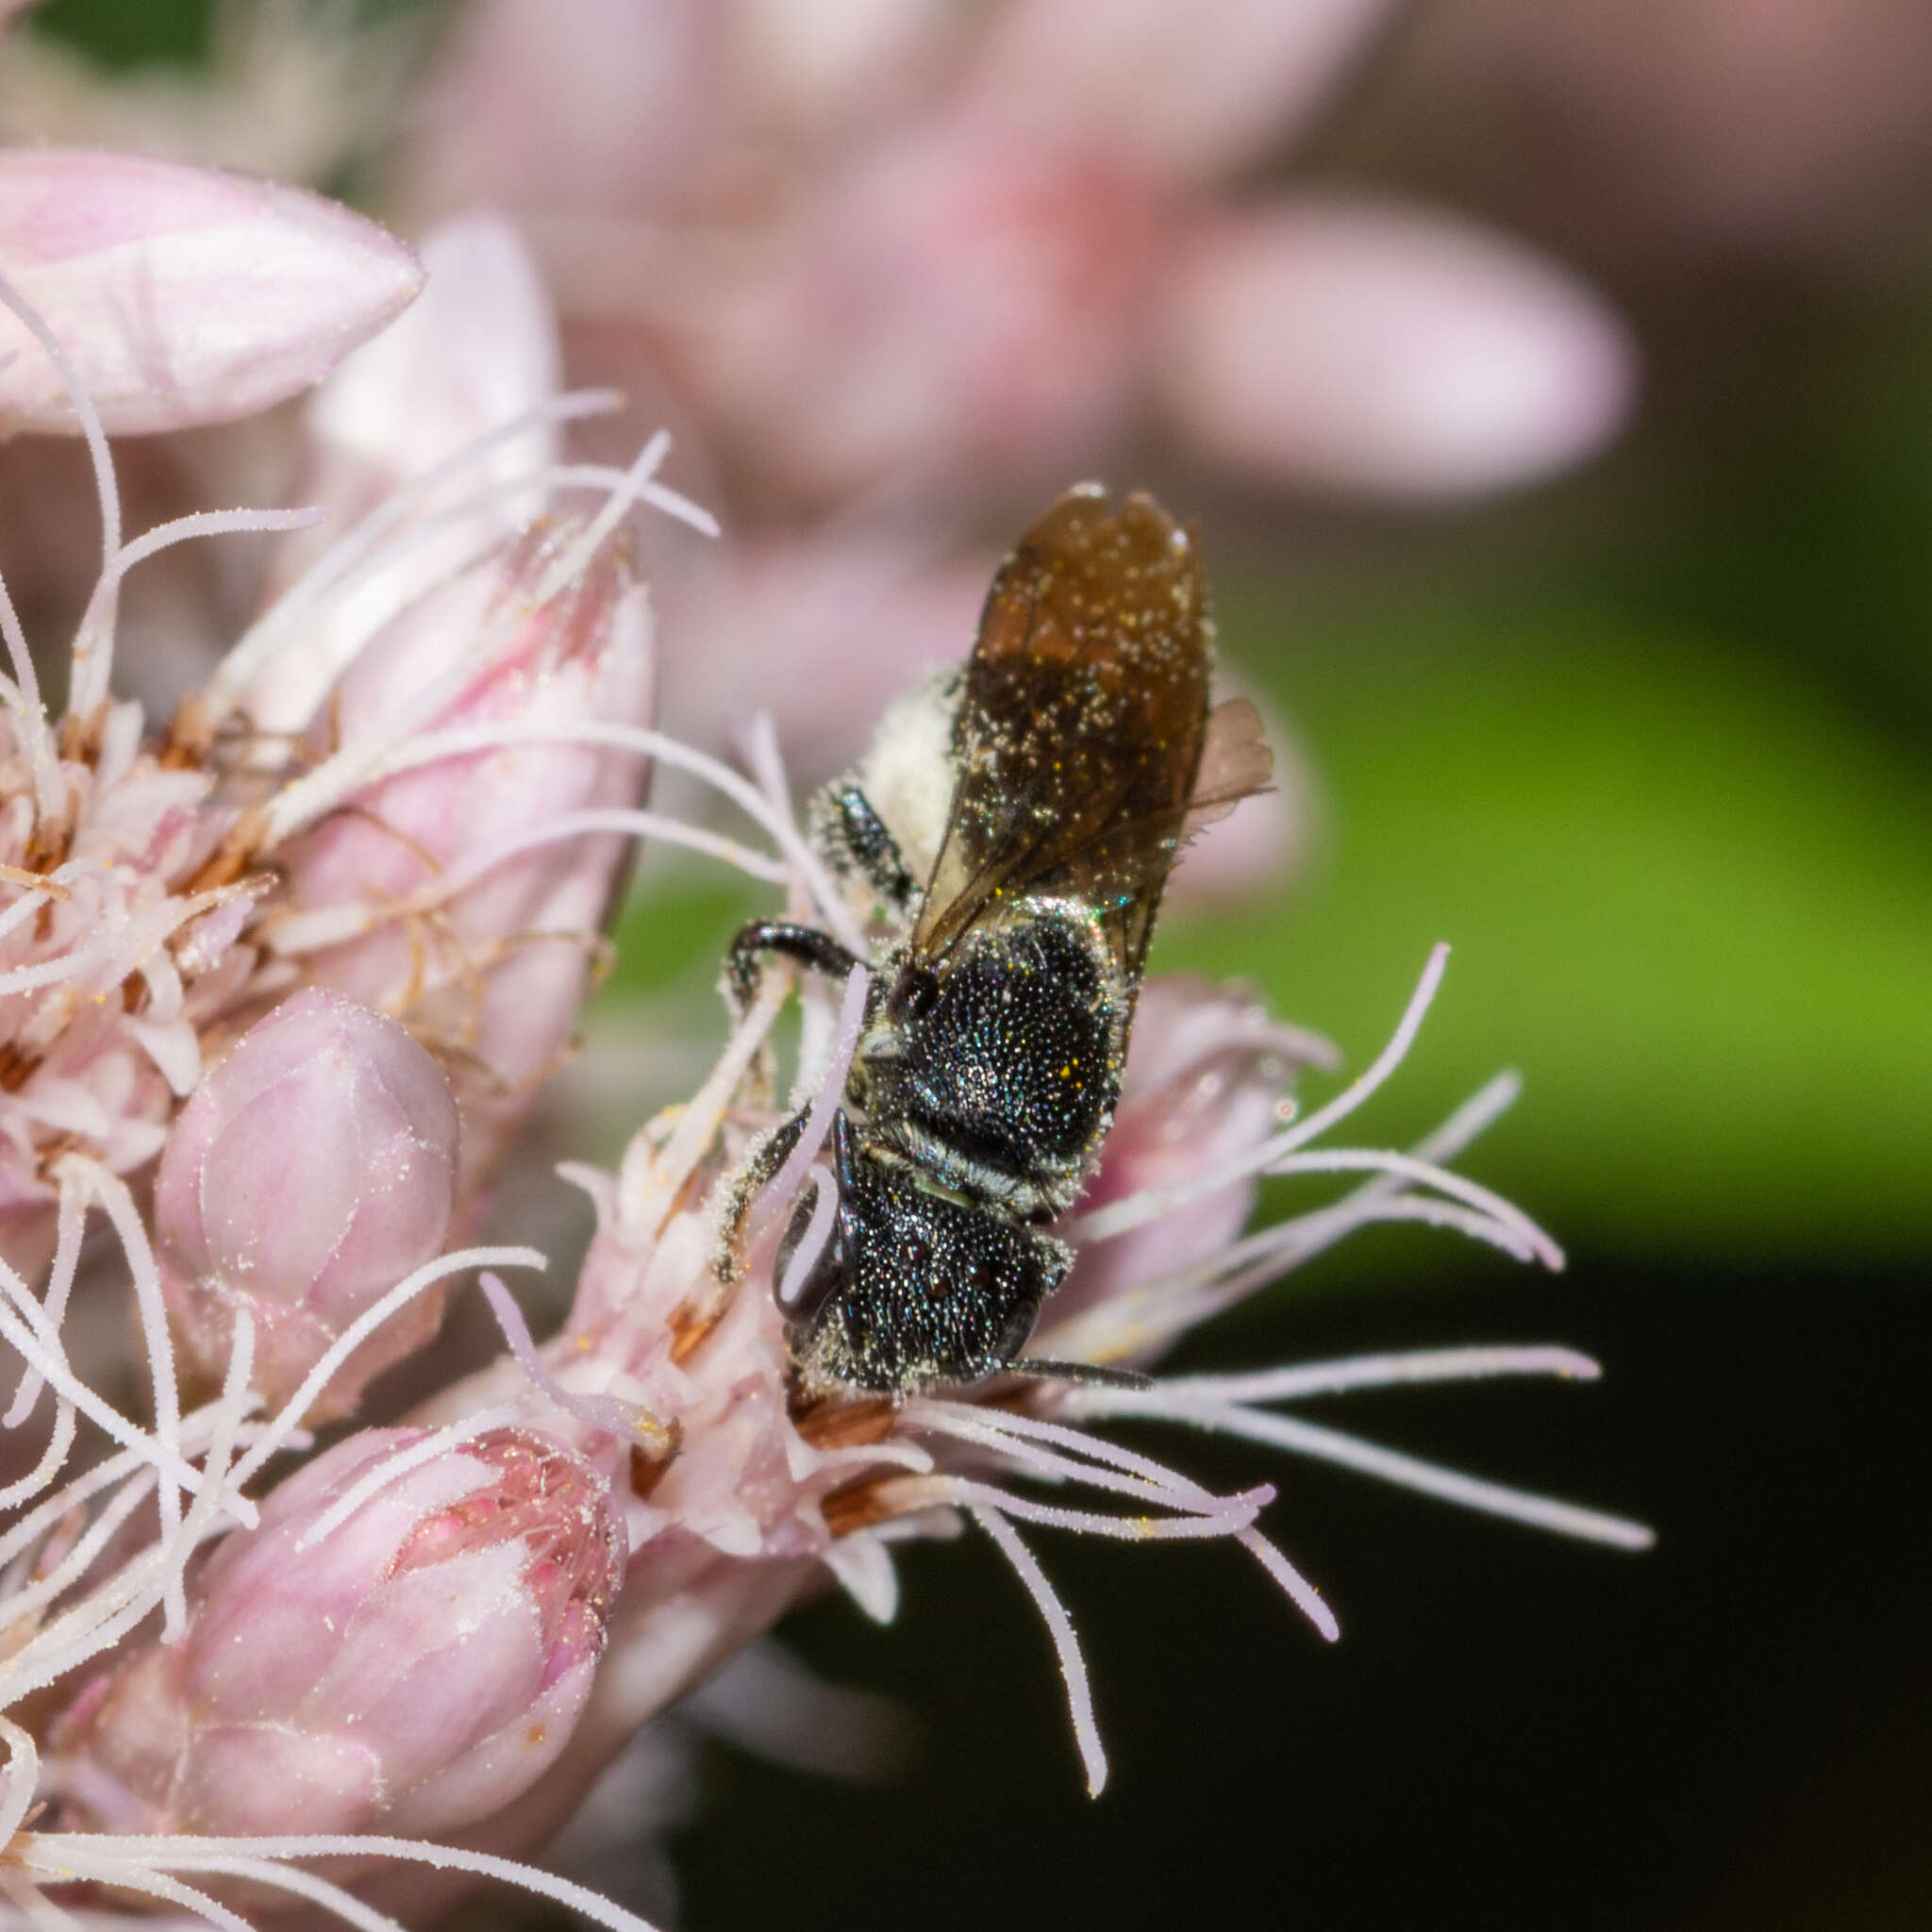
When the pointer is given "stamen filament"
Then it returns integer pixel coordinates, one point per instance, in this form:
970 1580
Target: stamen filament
1152 1203
1066 1645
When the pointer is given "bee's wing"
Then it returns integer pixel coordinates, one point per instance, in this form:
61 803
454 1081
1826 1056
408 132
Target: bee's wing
1235 765
1080 725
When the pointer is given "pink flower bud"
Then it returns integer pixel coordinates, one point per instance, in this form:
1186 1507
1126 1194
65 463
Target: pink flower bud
183 296
1386 350
478 938
312 1170
409 1669
477 348
1205 1077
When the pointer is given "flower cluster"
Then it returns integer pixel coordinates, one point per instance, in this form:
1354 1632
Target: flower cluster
277 981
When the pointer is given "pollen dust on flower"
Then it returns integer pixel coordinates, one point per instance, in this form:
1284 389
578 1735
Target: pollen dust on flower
647 1466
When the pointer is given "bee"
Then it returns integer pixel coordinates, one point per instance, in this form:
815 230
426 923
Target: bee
1011 831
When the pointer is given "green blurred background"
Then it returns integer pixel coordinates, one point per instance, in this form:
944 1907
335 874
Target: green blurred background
1652 748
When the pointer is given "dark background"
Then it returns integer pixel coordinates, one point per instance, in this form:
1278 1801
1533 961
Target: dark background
1651 746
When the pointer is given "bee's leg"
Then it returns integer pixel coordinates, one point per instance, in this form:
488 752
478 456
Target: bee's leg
744 972
854 842
744 962
760 1165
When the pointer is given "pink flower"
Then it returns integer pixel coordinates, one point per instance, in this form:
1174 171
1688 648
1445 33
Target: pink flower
414 1654
457 884
185 296
310 1171
1207 1081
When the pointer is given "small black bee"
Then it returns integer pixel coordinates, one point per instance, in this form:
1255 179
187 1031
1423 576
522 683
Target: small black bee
1041 793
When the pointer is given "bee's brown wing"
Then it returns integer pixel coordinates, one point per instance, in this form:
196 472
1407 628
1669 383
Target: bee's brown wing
1235 765
1080 725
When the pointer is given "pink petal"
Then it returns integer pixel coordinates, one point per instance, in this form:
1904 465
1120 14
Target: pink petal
183 296
1190 91
1362 346
479 347
497 977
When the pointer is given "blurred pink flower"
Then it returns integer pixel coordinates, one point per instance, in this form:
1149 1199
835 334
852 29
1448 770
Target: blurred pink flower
900 273
899 268
969 274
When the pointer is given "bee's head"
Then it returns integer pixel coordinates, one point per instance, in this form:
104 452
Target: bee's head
910 1290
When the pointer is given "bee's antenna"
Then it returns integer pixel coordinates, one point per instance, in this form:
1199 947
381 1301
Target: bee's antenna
1090 1372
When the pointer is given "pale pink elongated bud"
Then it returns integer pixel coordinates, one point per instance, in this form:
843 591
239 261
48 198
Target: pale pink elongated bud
471 926
478 349
312 1171
1362 346
412 1665
182 295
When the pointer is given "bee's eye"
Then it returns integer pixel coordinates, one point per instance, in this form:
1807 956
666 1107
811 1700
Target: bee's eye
802 1290
913 993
